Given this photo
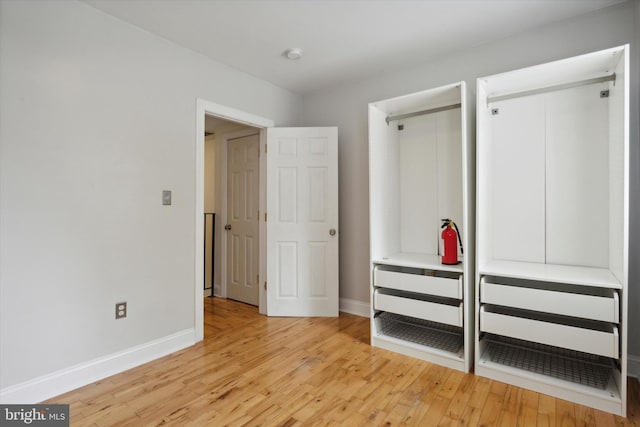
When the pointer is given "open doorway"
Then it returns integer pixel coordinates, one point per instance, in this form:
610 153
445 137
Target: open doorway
229 123
301 276
231 205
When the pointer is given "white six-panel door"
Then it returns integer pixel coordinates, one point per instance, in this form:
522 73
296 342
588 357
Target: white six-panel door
242 218
302 221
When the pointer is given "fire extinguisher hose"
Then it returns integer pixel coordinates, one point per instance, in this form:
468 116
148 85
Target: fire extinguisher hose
459 237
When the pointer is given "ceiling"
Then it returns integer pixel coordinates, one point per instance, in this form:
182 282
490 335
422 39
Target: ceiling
342 40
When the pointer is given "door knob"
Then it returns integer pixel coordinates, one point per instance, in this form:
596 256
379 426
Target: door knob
227 227
332 232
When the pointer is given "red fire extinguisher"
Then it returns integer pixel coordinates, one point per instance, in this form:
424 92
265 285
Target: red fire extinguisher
449 235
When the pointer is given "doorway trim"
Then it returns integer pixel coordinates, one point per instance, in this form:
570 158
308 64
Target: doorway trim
204 107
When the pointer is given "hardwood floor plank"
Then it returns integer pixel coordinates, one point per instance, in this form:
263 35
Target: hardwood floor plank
565 414
584 416
493 405
510 406
528 411
546 411
473 408
455 413
253 370
633 407
435 413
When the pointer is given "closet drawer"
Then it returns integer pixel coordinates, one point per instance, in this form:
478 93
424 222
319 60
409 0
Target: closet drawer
418 308
431 285
603 342
603 308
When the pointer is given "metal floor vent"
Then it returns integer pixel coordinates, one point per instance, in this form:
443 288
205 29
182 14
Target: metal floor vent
424 332
577 367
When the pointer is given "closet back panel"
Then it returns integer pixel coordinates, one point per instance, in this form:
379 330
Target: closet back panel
418 185
430 179
577 177
551 178
518 179
450 189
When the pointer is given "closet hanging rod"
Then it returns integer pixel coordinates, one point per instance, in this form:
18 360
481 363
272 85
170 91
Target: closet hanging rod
609 78
420 113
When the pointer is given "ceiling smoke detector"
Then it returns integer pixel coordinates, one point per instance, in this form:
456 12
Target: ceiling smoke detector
293 53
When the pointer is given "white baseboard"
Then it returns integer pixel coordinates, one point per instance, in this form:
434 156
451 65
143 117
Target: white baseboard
633 366
352 306
64 380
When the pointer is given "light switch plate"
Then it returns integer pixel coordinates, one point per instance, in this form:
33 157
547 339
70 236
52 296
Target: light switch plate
166 197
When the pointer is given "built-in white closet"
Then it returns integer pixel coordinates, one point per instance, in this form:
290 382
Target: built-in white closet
421 171
552 228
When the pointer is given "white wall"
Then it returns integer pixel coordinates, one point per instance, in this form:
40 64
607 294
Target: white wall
346 107
96 119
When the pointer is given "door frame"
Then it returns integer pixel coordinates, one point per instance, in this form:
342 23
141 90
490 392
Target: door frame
222 163
203 108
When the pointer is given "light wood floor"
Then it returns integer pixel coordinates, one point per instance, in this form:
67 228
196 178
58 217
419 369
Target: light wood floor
253 370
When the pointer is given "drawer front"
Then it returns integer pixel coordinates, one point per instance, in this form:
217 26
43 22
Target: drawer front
430 285
426 310
548 301
558 335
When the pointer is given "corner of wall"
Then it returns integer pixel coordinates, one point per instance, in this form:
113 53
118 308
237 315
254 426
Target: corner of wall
633 366
357 308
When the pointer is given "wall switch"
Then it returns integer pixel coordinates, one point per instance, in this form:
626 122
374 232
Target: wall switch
121 310
166 197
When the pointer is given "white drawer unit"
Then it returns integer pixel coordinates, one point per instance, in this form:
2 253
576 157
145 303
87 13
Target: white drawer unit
433 283
568 300
591 337
419 307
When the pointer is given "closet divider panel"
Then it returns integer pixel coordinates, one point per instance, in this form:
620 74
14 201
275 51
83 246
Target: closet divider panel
483 180
618 174
518 152
384 185
577 177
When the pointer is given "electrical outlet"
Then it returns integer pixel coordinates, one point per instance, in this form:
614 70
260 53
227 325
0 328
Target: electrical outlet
121 310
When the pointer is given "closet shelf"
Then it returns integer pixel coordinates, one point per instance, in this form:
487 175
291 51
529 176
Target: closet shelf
573 275
418 260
